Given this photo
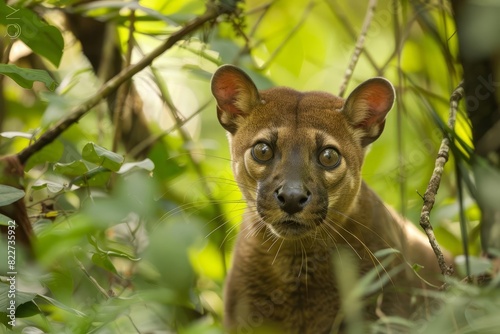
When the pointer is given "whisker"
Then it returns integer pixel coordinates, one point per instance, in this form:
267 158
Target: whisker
228 233
375 261
345 239
360 224
304 259
277 252
323 228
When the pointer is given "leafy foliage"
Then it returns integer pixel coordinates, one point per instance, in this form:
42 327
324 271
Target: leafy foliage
139 243
25 77
23 23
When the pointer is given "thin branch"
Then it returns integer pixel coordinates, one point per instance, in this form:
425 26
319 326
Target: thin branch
247 47
400 109
4 60
340 14
212 12
359 46
104 72
124 89
152 139
93 280
288 37
433 186
6 52
186 138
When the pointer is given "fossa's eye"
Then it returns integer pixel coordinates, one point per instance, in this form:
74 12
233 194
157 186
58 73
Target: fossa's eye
329 158
262 152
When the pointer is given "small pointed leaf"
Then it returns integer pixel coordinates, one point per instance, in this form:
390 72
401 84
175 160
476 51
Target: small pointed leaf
13 134
23 23
75 168
146 164
53 187
9 195
102 157
25 77
102 260
4 220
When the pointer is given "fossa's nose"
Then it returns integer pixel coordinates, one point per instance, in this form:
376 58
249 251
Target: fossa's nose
292 198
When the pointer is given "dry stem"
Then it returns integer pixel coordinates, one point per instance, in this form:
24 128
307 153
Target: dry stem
340 14
433 186
124 89
359 46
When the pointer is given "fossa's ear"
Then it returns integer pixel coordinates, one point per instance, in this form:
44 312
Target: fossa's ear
367 106
235 93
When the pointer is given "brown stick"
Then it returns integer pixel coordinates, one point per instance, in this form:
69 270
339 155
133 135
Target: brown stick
433 186
110 86
124 89
342 17
288 37
359 46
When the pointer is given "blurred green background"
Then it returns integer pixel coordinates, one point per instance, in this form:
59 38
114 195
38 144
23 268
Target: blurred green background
146 249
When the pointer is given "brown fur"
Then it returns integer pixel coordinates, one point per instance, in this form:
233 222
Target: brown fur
283 277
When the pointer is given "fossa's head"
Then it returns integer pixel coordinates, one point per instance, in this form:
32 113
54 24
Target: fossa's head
297 156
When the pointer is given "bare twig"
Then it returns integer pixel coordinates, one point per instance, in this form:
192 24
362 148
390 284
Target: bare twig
398 42
92 280
287 38
433 186
110 86
359 46
264 10
4 60
124 89
186 138
104 72
340 14
149 141
6 52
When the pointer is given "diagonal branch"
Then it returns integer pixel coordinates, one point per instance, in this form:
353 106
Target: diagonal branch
342 17
433 186
370 12
212 12
289 36
124 90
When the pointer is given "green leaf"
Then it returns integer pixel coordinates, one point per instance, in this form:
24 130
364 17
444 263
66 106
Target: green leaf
24 304
53 187
13 134
478 265
9 194
4 220
382 253
417 267
102 157
25 77
88 7
45 40
75 168
102 260
57 241
98 176
27 309
113 251
50 153
174 239
123 255
61 305
21 297
166 166
146 164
